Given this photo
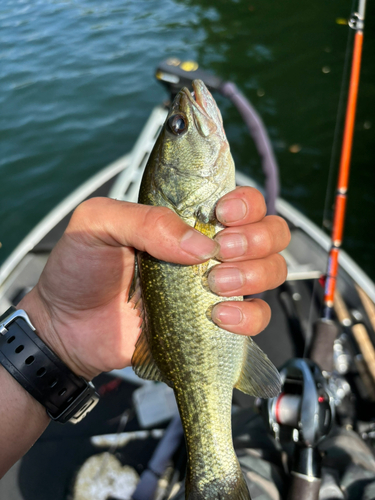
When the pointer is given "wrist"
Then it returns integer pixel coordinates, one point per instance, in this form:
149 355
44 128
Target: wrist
22 418
42 318
19 399
32 363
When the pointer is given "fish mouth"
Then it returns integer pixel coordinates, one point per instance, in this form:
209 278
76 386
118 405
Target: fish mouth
203 108
195 97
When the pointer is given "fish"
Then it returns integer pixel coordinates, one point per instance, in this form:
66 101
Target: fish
189 170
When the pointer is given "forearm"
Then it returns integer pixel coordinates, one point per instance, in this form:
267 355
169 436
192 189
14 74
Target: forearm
22 421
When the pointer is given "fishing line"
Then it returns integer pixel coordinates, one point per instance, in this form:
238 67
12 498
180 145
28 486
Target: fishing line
339 119
331 169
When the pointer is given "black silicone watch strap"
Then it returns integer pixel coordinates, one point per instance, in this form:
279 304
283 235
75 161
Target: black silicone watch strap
32 363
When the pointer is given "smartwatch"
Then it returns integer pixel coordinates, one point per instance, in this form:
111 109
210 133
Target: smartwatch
66 397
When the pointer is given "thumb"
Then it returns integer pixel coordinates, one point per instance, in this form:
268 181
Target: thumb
155 230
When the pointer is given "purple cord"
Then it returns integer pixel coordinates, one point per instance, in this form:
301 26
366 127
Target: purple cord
262 142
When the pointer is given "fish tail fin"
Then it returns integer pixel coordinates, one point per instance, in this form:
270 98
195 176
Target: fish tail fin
235 489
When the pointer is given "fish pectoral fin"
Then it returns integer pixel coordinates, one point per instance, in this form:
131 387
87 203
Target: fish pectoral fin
208 230
259 377
135 286
143 363
205 228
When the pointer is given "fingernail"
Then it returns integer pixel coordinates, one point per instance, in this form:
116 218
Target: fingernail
199 245
231 245
225 280
223 314
231 210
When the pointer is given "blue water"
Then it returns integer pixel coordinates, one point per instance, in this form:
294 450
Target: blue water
76 86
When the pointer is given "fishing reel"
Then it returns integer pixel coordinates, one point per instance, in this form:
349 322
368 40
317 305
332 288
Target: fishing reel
302 415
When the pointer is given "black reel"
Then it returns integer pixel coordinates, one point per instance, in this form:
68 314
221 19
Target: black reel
302 415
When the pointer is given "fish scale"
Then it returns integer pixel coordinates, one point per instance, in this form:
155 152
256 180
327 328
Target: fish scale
189 169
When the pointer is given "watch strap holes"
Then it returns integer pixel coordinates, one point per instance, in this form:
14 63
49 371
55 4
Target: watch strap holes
40 371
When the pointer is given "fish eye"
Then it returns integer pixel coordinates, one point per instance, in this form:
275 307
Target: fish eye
177 124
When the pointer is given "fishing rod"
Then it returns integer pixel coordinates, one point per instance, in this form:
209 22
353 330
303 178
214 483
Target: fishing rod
325 330
357 23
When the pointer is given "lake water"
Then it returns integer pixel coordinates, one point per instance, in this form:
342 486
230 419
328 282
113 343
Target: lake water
77 85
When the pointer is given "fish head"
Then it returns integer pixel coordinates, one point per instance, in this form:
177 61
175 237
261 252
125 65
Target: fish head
191 166
193 134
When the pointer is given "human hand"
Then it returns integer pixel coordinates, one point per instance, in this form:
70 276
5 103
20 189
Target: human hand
251 264
80 305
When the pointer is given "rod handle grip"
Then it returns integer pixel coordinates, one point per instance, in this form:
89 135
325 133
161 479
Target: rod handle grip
325 332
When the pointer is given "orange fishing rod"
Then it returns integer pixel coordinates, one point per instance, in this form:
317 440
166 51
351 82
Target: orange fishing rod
357 23
325 330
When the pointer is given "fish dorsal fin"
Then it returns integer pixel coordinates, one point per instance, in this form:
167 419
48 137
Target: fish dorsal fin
142 361
259 377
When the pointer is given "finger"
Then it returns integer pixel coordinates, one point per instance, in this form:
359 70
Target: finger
246 318
156 230
249 277
244 205
253 241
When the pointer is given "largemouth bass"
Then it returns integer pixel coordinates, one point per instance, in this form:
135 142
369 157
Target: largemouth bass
190 168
